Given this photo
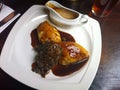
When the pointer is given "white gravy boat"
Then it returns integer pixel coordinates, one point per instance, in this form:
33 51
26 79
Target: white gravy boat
63 15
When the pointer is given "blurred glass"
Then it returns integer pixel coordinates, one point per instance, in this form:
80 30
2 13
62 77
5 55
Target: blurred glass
1 5
102 8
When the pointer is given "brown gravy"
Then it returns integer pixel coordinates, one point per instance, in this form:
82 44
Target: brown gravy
63 70
34 38
35 41
59 70
64 12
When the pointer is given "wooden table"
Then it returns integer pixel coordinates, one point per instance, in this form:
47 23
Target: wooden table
108 75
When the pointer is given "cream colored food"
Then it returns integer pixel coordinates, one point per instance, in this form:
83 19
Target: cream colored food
47 32
72 53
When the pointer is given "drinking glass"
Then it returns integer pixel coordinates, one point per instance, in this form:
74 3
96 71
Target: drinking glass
102 8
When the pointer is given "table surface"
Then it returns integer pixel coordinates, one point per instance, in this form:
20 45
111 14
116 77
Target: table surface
108 74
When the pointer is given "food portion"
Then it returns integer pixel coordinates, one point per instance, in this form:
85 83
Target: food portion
56 51
47 32
48 55
72 53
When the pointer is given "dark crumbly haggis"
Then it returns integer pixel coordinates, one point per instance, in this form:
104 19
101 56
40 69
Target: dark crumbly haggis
48 55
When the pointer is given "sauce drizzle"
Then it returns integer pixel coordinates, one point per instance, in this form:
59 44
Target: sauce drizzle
59 70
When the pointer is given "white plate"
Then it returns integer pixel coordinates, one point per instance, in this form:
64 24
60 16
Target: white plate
17 54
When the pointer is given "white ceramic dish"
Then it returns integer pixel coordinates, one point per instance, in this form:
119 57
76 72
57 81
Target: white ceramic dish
17 54
57 18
